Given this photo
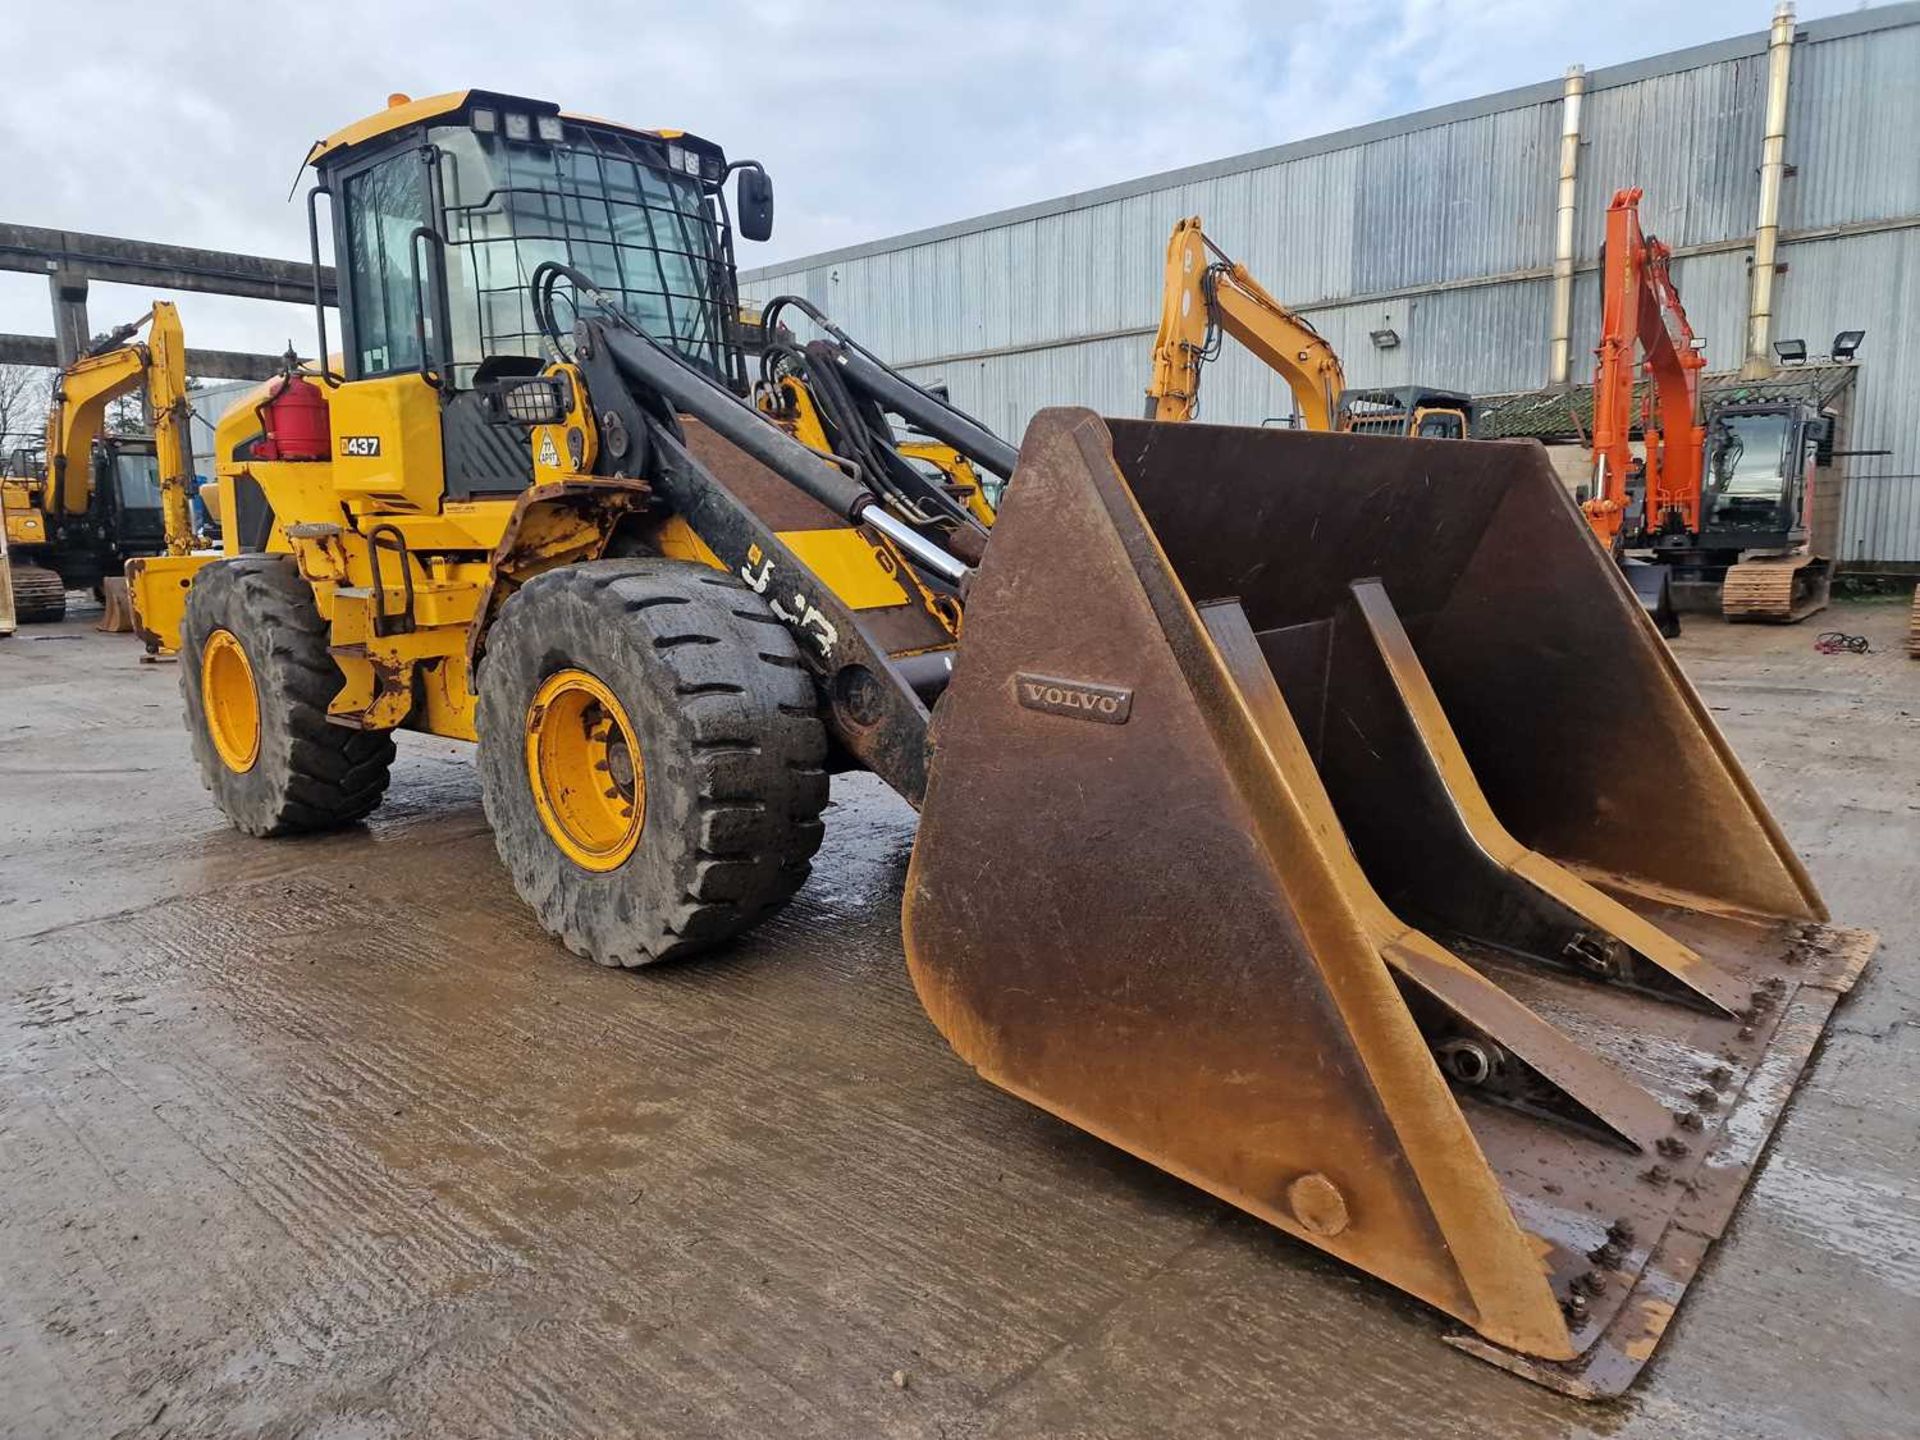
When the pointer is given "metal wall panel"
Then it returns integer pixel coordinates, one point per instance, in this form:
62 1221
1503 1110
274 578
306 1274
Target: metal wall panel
1691 140
1440 228
1853 130
1869 282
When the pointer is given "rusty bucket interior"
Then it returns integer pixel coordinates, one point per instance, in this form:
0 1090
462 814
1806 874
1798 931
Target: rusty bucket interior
1320 818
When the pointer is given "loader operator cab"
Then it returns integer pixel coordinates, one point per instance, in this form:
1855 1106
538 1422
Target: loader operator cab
443 209
1760 461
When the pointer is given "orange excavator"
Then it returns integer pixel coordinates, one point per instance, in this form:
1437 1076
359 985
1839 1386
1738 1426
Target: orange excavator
1721 503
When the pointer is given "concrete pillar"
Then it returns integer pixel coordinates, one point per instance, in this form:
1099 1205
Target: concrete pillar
71 332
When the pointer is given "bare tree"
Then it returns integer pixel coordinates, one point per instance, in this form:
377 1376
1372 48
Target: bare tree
23 407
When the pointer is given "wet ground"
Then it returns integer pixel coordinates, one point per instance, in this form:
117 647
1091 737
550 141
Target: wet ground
324 1138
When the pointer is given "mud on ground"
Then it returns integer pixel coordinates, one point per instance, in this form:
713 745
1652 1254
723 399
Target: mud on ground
324 1138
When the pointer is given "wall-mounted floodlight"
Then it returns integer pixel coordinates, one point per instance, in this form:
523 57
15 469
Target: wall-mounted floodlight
1791 352
1846 343
1384 339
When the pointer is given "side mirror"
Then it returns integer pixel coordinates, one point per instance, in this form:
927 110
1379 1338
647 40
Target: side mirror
756 203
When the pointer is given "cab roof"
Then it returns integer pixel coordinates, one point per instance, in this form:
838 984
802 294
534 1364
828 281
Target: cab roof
403 110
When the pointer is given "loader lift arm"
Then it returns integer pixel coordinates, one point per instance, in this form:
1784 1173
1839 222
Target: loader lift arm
1206 294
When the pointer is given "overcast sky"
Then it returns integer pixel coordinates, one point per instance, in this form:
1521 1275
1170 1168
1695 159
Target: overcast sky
187 124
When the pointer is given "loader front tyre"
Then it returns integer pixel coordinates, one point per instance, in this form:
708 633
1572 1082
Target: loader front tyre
651 757
256 677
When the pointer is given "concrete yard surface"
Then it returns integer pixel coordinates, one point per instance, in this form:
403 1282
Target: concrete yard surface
324 1138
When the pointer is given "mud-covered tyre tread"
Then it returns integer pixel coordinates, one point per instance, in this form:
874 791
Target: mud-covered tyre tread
732 748
311 775
39 594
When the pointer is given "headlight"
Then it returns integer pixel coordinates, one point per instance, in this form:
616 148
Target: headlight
541 400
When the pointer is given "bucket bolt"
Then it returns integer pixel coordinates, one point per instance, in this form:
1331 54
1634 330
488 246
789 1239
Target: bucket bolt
1658 1175
1620 1232
1471 1060
1575 1307
1671 1146
1706 1098
1719 1076
1589 1282
1690 1120
1608 1256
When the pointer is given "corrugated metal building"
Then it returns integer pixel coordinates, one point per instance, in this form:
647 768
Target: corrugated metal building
1440 227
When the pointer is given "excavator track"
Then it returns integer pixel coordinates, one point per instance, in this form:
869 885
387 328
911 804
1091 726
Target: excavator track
1777 589
39 594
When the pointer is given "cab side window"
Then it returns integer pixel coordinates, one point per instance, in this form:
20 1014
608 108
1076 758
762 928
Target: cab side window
385 204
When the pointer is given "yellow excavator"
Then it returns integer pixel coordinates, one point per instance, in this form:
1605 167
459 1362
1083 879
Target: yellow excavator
93 500
1284 817
1206 294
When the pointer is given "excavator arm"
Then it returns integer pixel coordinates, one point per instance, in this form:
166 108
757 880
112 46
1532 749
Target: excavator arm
116 367
1641 314
1205 297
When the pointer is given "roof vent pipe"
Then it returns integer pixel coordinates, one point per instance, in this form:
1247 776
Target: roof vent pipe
1773 167
1560 367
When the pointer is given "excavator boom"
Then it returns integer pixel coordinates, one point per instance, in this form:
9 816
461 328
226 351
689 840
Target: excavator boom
119 366
1641 314
1205 294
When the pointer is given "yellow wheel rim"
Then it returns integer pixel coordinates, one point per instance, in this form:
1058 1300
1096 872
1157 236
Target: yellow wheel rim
232 704
584 766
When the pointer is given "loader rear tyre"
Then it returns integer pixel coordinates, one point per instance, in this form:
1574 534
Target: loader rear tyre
256 677
39 594
651 757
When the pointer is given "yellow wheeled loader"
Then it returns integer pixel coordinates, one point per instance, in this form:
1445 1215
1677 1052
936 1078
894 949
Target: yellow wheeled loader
1317 817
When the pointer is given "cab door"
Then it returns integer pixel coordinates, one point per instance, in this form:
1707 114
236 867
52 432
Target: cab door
386 418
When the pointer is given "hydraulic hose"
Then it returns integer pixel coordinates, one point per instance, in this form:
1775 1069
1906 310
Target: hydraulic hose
645 363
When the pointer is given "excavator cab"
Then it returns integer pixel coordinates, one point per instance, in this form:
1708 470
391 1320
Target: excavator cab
1418 411
127 470
1759 469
